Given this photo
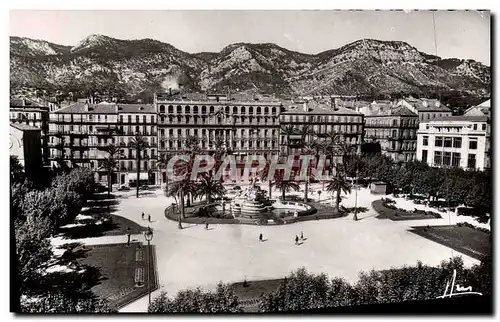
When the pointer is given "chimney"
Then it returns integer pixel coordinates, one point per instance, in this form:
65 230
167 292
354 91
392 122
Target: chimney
86 106
24 102
424 103
438 103
170 91
305 107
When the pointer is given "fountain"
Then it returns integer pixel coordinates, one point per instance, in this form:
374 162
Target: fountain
251 203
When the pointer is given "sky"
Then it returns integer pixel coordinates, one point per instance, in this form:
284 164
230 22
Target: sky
459 34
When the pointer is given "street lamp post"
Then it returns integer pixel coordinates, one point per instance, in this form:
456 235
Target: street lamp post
356 196
148 234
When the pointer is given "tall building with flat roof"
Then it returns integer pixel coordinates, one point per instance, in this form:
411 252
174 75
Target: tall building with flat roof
26 111
246 125
80 133
457 141
25 143
394 128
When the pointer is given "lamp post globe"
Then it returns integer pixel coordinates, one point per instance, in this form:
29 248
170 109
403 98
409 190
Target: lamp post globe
148 234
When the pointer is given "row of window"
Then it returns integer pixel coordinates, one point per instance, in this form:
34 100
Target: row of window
243 144
321 119
449 159
218 120
393 122
203 132
448 142
431 116
196 110
447 128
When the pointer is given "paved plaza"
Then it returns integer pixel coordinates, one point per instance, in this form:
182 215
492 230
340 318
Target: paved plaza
194 257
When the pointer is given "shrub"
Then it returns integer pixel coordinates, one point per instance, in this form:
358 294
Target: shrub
466 224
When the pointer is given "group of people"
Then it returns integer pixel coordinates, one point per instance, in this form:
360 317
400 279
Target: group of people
261 238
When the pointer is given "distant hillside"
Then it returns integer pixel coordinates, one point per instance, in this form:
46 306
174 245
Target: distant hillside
366 67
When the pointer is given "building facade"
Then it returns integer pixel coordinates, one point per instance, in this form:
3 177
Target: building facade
457 141
426 109
26 111
26 144
323 117
80 133
244 125
394 128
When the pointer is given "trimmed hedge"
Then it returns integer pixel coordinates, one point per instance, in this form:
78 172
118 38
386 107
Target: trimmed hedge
466 224
385 209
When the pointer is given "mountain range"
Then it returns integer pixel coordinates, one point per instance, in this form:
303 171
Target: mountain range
364 67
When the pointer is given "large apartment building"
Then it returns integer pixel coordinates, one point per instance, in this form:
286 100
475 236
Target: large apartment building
322 117
461 141
80 133
245 125
394 128
31 113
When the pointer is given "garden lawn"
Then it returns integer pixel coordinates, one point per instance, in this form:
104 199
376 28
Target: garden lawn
463 239
118 264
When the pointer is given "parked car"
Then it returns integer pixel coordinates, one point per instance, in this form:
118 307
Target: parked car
124 188
144 187
236 188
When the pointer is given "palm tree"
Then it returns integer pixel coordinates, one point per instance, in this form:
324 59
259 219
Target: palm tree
209 188
338 184
192 145
306 131
177 189
162 163
287 131
139 144
264 176
110 164
284 185
221 150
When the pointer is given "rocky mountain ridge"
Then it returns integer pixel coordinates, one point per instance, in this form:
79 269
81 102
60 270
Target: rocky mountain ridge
364 67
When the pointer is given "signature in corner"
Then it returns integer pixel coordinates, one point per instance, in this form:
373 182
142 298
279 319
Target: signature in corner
459 289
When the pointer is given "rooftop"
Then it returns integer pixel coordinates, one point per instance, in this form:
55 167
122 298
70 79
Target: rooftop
459 118
107 108
315 107
212 97
23 102
389 110
426 104
24 127
479 110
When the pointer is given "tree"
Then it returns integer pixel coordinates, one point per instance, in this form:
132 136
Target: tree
223 300
33 251
338 184
16 170
139 144
284 185
110 164
287 131
208 187
298 291
162 164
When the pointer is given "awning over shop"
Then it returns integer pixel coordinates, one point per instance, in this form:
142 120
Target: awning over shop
142 176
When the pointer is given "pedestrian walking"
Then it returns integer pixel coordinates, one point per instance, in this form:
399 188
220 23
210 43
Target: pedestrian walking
142 215
149 218
206 226
301 236
296 240
260 237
